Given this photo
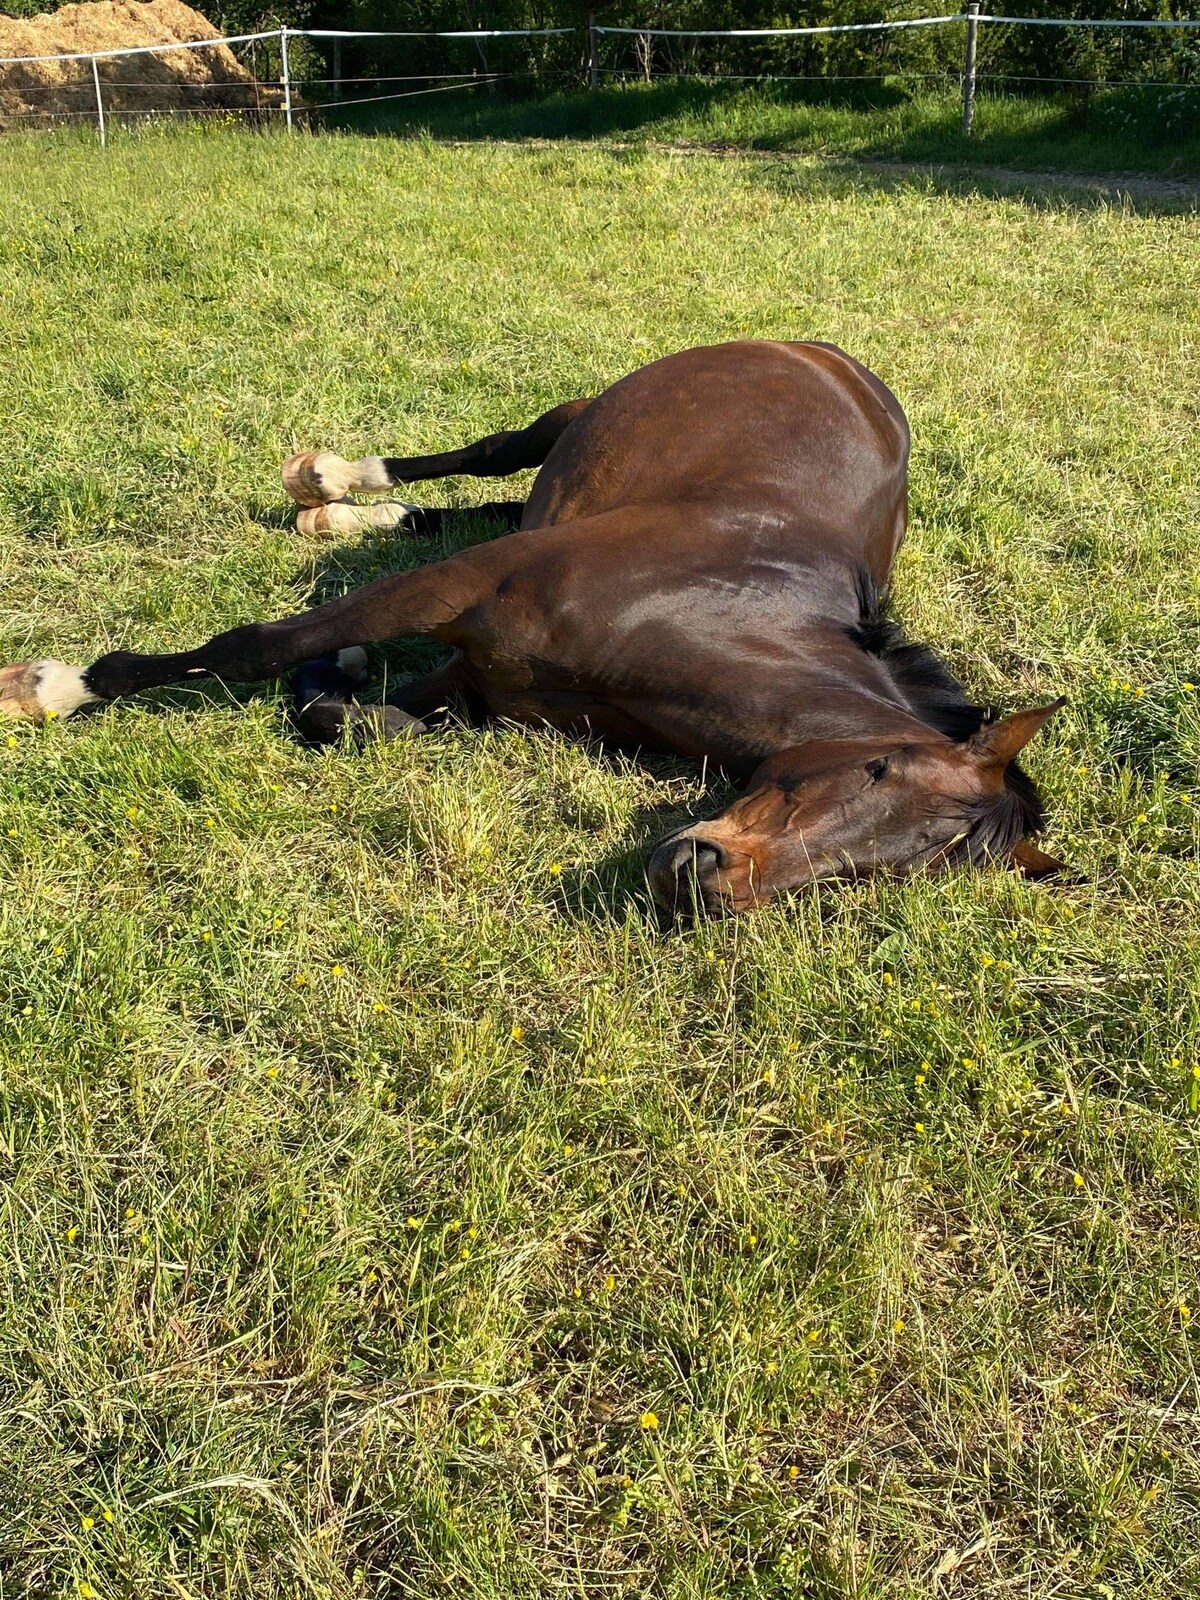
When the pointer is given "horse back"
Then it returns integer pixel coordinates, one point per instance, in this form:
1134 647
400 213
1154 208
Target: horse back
799 435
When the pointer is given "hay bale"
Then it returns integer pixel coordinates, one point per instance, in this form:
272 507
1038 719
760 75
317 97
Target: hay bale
179 81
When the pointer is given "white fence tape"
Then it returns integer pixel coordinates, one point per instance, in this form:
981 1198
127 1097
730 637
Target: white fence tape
781 33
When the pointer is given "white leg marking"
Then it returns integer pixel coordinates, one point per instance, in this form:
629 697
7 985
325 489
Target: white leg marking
60 689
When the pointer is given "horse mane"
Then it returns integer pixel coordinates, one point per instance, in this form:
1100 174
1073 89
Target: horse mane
993 824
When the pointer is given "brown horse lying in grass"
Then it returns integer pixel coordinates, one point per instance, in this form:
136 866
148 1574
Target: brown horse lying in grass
698 569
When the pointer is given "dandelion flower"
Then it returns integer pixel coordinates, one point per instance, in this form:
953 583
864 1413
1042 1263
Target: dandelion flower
556 869
813 1336
888 980
752 1240
920 1127
793 1473
898 1325
88 1523
209 823
771 1368
518 1032
412 1222
337 970
1077 1179
610 1283
648 1421
107 1515
72 1235
1184 1310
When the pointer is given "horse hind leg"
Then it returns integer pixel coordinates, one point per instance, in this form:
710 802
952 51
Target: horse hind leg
318 477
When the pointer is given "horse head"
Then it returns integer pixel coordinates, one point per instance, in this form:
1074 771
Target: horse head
843 808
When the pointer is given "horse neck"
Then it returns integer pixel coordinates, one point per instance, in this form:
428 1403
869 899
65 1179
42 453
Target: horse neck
849 694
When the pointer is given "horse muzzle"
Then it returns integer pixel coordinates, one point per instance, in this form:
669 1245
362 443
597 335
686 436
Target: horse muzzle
689 873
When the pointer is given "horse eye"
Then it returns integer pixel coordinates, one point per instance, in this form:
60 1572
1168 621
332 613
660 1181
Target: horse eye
876 769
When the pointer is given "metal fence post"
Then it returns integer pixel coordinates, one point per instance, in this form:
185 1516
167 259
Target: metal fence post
969 67
593 53
287 78
99 103
336 86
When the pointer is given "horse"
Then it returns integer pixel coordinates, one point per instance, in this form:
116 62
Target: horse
700 568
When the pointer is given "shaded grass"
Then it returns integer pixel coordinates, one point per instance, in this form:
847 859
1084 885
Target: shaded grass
374 1163
1123 130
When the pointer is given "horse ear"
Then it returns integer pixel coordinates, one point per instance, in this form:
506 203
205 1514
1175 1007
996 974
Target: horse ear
998 742
1031 862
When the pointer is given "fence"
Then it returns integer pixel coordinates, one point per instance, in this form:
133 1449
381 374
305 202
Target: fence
278 97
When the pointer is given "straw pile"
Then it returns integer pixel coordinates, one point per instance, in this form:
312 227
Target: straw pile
180 81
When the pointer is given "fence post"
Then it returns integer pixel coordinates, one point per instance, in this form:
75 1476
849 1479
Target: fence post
336 86
99 103
969 67
593 53
287 78
645 45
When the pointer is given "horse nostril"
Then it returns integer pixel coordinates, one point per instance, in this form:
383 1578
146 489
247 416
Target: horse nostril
681 863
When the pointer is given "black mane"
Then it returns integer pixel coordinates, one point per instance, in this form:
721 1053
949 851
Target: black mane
996 823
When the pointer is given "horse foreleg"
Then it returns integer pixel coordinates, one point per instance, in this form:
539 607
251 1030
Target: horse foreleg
424 601
318 477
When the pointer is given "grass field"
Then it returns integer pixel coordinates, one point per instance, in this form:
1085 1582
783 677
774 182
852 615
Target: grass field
1148 130
391 1206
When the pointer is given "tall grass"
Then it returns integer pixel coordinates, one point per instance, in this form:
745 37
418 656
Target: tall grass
391 1206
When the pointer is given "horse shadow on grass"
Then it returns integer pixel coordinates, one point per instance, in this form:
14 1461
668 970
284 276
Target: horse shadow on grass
608 885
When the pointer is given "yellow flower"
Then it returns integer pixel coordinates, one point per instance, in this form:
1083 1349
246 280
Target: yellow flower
412 1222
464 1254
556 869
1077 1179
209 823
771 1368
793 1473
920 1127
813 1336
752 1240
518 1032
108 1516
11 742
88 1523
301 980
333 805
1184 1311
610 1283
888 979
337 970
272 1072
969 1061
648 1421
86 1591
132 812
568 1149
72 1235
378 1006
920 1077
1189 687
898 1325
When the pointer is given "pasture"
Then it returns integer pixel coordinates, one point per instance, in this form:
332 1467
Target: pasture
391 1206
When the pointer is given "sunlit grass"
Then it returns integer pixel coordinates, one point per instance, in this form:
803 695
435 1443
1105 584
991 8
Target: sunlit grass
375 1165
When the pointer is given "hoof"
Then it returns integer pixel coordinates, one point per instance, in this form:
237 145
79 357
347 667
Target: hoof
315 477
343 517
353 662
38 691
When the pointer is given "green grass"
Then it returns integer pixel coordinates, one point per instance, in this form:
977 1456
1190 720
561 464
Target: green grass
372 1161
1151 130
